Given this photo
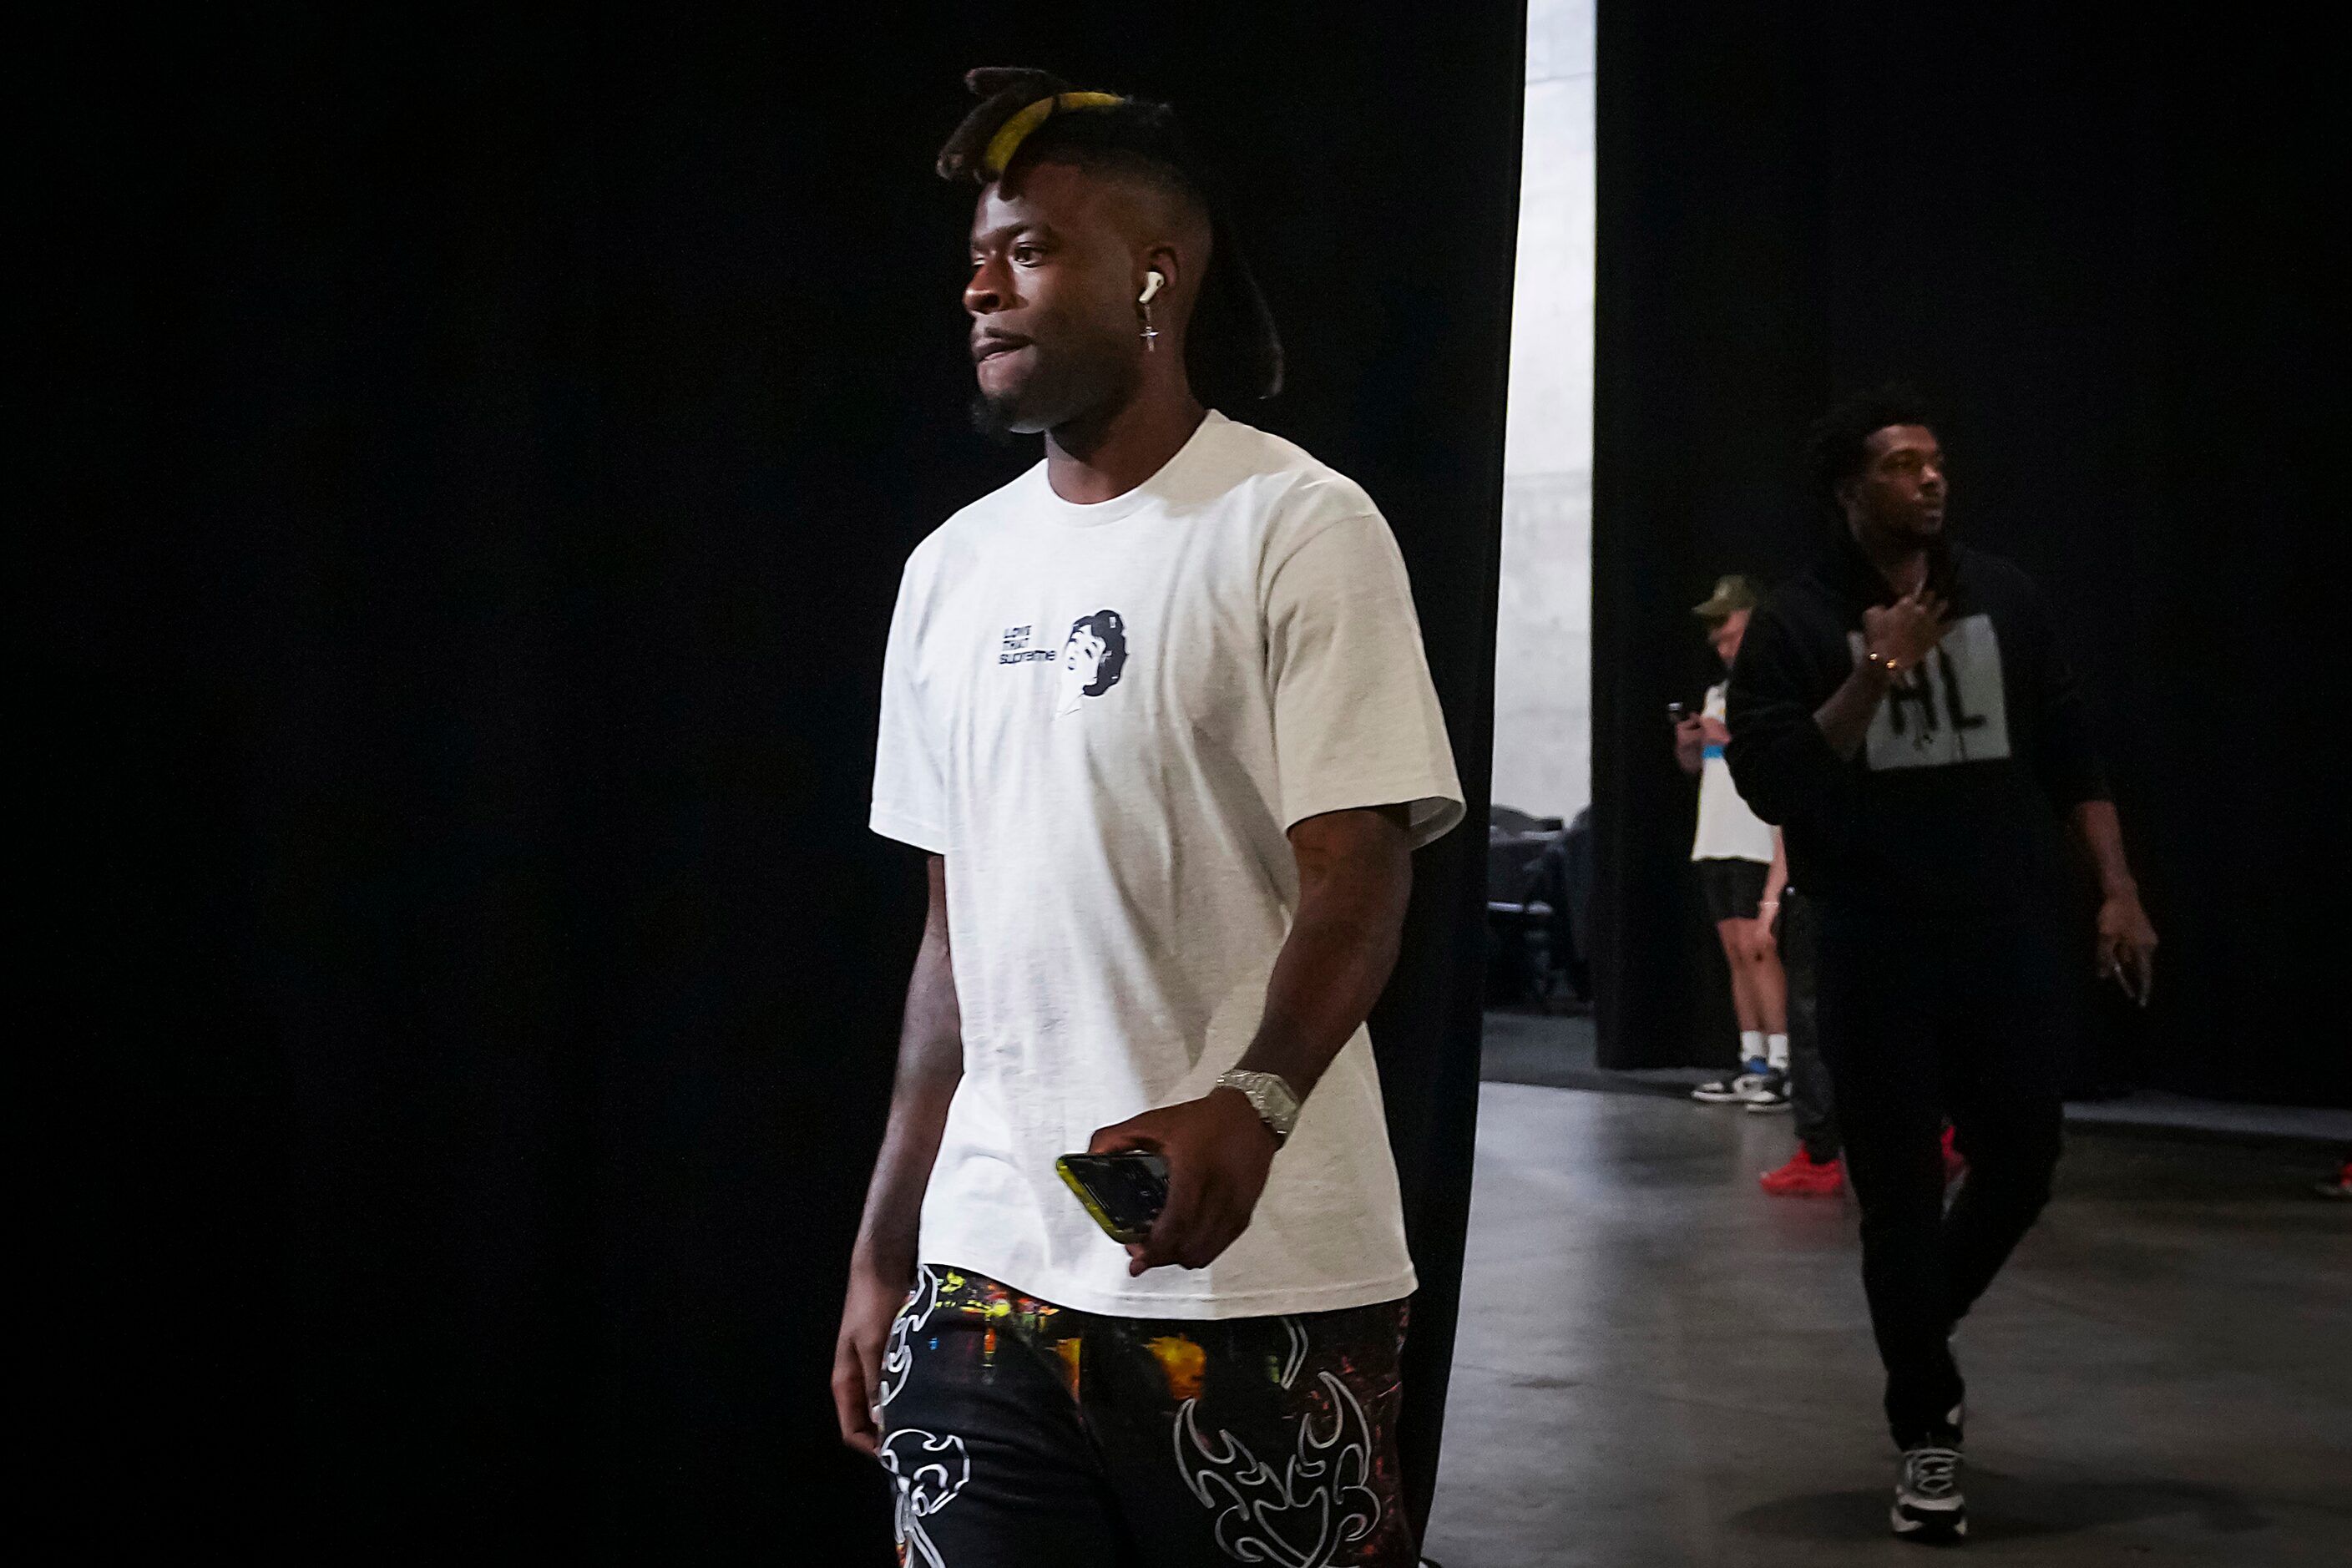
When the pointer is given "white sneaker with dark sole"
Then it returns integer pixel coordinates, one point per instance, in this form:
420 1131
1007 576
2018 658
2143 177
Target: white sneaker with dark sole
1928 1503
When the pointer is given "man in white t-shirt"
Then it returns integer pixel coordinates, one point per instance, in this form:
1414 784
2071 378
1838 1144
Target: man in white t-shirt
1736 856
1158 712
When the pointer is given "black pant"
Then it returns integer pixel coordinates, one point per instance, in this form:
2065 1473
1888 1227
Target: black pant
1023 1435
1798 936
1921 1020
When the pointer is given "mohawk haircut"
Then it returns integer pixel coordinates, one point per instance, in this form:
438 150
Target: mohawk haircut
1231 351
1839 445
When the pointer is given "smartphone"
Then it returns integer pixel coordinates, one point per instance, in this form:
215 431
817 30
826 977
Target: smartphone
1125 1193
1676 712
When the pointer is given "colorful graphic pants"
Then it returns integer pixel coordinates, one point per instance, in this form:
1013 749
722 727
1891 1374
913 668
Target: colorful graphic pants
1023 1435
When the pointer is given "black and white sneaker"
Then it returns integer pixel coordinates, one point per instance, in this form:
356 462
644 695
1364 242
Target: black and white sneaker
1730 1090
1770 1093
1928 1503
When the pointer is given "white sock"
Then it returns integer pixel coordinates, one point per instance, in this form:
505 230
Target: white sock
1776 1052
1751 1047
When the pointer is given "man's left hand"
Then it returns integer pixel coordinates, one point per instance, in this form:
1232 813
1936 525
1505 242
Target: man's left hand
1218 1154
2127 944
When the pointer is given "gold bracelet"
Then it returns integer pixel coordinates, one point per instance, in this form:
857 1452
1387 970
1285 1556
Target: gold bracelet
1874 657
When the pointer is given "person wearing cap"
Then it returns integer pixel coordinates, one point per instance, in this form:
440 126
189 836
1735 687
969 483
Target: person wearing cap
1157 712
1738 862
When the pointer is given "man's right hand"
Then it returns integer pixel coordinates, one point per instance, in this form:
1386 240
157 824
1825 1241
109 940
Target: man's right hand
1690 743
871 1307
1905 631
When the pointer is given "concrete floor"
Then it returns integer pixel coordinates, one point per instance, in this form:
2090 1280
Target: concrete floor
1660 1365
1561 1049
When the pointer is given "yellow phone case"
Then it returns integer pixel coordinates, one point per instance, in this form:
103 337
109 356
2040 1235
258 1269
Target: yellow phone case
1110 1228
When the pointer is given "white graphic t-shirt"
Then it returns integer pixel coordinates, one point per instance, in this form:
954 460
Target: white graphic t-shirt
1728 828
1105 717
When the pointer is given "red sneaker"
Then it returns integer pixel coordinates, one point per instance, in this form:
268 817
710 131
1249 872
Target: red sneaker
1803 1177
1956 1165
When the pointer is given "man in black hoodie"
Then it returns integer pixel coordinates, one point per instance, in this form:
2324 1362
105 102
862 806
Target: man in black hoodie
1904 712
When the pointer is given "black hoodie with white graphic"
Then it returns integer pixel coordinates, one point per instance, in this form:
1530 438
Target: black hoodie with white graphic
1950 806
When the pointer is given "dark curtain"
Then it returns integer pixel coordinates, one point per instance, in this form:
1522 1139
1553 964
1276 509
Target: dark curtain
2095 238
472 462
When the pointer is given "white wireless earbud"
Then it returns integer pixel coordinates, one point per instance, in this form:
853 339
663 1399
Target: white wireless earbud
1152 284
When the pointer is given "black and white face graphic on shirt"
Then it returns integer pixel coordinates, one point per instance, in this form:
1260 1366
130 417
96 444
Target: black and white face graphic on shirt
1950 708
1092 658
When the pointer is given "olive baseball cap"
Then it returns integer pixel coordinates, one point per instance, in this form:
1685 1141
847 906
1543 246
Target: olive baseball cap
1732 594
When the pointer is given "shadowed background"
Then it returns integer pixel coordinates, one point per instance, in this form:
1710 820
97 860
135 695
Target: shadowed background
2098 237
473 520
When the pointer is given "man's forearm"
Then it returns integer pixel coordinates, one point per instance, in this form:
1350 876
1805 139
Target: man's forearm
2102 834
1355 877
889 1235
1329 973
1845 718
930 1065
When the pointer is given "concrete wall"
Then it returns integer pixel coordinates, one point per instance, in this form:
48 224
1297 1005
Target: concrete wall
1543 635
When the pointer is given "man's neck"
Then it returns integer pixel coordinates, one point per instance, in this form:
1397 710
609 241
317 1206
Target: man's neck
1102 456
1902 561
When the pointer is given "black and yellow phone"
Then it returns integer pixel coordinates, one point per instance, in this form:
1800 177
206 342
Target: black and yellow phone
1124 1192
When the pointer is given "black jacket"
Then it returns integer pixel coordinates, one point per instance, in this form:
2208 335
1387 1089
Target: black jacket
1949 806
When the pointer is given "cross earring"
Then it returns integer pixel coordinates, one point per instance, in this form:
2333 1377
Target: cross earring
1150 335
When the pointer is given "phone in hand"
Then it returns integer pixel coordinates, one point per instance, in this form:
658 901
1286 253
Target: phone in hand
1676 712
1124 1192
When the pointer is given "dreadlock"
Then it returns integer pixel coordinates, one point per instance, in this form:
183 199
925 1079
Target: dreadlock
1231 351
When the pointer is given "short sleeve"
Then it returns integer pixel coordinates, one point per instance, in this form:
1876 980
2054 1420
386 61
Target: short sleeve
1356 721
910 786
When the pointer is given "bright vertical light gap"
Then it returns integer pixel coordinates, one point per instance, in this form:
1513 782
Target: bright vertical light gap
1543 635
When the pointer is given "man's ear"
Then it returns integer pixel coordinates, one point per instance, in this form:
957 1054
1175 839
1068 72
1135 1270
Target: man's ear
1166 260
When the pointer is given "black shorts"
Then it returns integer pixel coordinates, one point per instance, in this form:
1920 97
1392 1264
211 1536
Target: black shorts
1023 1435
1731 889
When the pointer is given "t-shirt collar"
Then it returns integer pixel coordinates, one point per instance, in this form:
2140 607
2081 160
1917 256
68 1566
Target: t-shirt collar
1155 490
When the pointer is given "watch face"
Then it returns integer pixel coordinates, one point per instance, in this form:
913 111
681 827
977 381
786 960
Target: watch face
1276 1100
1268 1096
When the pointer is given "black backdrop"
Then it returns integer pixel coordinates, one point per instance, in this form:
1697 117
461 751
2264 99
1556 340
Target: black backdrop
2095 238
470 504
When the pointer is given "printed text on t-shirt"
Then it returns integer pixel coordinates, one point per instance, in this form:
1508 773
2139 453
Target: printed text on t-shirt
1951 708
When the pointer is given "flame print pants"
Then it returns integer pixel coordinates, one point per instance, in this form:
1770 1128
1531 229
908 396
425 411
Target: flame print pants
1023 1435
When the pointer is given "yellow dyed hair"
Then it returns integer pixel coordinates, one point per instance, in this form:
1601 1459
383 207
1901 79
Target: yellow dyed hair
1006 144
